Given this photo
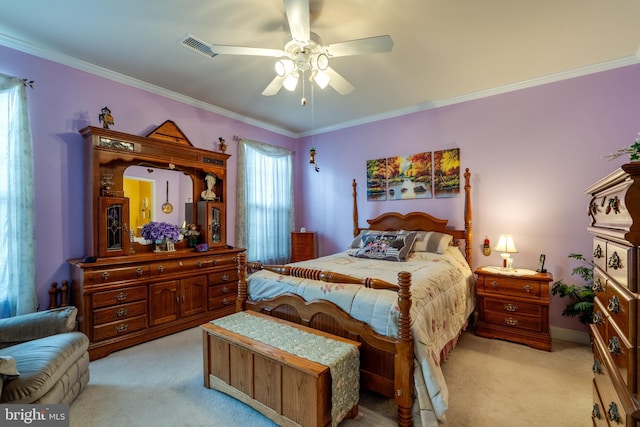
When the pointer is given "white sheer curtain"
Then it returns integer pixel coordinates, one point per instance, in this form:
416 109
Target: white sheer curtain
264 202
17 237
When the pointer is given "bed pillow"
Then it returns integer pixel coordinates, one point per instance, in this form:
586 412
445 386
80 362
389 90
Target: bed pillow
431 241
386 245
357 241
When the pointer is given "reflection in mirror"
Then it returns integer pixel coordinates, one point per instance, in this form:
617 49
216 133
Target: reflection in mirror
150 188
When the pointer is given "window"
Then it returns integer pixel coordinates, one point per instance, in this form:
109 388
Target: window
17 267
265 202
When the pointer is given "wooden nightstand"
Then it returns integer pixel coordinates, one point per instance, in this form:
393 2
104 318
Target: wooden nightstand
304 245
514 306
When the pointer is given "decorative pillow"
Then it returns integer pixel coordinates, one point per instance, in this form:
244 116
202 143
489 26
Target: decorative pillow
357 241
386 245
431 241
8 369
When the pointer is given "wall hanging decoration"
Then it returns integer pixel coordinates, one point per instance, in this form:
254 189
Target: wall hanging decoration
377 179
409 177
446 173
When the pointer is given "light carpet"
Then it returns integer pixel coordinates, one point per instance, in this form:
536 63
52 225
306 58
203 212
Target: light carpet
492 383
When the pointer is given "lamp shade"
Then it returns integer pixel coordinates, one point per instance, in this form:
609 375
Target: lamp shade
506 245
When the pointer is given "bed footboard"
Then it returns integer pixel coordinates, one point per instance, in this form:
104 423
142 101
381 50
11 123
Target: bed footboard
386 362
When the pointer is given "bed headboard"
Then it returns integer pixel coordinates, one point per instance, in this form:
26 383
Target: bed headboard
422 221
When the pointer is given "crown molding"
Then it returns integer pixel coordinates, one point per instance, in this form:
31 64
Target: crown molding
22 46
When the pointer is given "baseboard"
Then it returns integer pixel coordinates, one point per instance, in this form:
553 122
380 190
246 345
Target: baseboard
571 335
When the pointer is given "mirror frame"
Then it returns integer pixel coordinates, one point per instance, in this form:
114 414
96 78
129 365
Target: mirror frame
109 153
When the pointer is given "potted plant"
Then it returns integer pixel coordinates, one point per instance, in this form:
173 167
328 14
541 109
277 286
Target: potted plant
581 296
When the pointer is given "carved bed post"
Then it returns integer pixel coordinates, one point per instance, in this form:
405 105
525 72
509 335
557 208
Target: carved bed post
468 249
404 387
242 282
356 229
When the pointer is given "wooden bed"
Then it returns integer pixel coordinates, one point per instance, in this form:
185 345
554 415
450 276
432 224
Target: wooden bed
387 363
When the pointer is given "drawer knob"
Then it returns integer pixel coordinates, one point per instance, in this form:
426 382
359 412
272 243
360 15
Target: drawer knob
122 312
120 296
139 271
105 275
199 264
614 346
597 367
494 284
121 328
226 302
511 307
614 305
595 412
511 321
614 261
225 277
160 269
528 288
598 318
612 412
597 252
224 290
597 285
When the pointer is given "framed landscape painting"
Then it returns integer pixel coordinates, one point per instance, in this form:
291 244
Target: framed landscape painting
377 179
409 177
446 175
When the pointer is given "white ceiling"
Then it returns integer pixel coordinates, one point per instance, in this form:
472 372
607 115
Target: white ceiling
444 50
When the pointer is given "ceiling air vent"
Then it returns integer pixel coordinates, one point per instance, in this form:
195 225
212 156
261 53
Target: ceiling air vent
198 45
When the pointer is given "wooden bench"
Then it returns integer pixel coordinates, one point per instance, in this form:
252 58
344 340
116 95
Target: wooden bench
288 389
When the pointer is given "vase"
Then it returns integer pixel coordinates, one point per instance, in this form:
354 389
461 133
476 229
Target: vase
161 245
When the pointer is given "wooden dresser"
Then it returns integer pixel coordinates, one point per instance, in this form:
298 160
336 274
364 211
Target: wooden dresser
129 291
614 209
304 245
124 301
514 307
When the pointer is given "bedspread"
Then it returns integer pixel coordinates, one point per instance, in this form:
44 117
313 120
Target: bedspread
443 297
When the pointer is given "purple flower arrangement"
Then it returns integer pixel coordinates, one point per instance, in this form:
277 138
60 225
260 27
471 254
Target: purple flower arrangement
160 230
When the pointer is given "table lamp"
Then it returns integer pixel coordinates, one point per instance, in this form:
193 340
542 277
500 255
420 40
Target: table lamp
506 246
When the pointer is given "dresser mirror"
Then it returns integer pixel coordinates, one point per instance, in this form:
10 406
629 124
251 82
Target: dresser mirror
149 189
131 178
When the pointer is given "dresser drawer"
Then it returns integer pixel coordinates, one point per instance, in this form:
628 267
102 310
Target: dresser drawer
221 277
512 307
608 208
119 312
622 354
515 321
600 318
227 259
511 287
121 327
223 301
622 309
600 253
119 296
621 264
108 275
598 414
226 289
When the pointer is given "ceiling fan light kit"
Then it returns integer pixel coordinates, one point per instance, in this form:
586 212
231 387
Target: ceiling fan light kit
303 52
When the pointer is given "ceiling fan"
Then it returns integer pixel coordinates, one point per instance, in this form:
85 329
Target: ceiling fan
303 54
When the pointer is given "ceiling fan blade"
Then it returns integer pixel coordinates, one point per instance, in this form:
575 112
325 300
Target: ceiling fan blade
339 83
299 20
273 87
211 51
377 44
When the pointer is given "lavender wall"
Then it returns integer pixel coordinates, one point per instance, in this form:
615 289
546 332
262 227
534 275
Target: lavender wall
64 101
531 152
